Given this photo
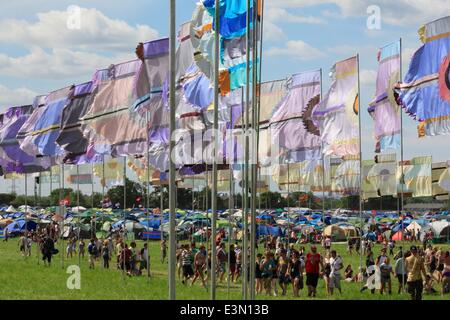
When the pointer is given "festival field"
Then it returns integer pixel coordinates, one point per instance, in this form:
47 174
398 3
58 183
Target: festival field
23 278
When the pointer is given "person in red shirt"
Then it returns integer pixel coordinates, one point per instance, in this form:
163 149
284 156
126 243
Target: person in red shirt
313 264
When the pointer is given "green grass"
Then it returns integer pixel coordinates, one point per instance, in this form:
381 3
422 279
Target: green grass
24 278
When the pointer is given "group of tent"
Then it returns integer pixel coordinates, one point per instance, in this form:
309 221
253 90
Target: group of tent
337 225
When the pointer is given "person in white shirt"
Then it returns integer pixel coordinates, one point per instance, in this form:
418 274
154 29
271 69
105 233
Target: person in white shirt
336 264
400 272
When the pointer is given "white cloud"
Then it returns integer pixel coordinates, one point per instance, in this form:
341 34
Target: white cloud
272 32
59 63
297 49
400 12
97 31
282 15
368 77
15 97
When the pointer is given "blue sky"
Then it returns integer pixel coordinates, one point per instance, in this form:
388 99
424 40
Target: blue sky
38 53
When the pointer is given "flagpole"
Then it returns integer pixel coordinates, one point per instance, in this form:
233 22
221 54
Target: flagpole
323 156
51 182
246 162
62 211
254 156
360 163
124 184
172 235
402 179
231 211
78 206
26 210
92 186
148 190
216 146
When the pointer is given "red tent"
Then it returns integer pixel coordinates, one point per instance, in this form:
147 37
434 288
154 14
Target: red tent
398 236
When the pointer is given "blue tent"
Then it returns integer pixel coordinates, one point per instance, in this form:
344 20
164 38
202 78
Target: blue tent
154 224
316 216
20 226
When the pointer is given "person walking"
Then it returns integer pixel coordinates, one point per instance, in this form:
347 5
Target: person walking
313 265
336 264
416 273
106 254
92 250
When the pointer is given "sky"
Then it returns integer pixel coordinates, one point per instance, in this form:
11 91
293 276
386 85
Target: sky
42 48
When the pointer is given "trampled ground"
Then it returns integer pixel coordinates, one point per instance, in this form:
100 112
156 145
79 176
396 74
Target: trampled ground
24 278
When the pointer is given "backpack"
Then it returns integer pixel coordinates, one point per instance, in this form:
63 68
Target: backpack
92 249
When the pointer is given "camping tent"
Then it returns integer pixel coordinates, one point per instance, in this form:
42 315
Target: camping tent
78 209
441 229
20 226
414 226
335 232
398 236
11 209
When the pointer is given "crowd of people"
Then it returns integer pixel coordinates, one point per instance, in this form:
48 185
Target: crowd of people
283 265
128 257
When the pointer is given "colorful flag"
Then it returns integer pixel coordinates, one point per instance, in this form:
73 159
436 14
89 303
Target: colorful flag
111 105
336 117
383 175
232 30
295 143
46 125
384 109
425 91
346 177
440 179
417 176
14 159
368 189
71 138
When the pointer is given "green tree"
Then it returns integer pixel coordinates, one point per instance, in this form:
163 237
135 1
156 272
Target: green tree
134 191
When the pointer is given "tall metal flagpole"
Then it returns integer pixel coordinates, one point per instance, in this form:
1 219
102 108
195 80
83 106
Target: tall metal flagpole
51 182
216 147
172 235
148 191
124 184
78 206
26 207
231 211
62 211
323 157
92 187
246 161
402 178
254 156
360 164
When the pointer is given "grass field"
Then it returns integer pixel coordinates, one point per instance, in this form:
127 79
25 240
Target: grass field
24 278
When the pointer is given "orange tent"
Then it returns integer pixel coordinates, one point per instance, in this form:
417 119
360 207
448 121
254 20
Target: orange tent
398 236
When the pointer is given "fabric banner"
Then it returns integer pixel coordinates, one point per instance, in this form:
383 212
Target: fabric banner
111 104
346 178
441 188
46 124
417 176
369 190
383 175
71 138
295 143
384 109
112 174
12 158
336 117
425 91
